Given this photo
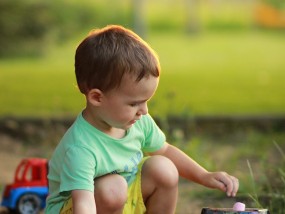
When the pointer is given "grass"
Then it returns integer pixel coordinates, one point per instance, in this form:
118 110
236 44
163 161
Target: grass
260 171
206 74
225 73
273 193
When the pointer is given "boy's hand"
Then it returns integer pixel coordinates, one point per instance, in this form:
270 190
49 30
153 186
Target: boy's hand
222 181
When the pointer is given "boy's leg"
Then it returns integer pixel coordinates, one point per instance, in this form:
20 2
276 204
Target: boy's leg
159 185
110 194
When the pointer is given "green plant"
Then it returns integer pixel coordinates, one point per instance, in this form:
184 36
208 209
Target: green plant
254 194
272 194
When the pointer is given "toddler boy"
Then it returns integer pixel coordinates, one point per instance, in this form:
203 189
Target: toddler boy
114 158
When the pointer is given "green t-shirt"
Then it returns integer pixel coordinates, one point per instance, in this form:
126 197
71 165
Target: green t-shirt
85 153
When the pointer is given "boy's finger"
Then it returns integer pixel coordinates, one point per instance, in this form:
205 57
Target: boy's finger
225 184
232 186
235 186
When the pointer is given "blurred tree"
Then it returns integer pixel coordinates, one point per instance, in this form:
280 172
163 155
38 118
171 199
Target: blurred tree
138 17
28 27
192 22
23 25
279 4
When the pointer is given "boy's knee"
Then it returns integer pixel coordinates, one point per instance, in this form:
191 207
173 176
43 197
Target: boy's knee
111 191
162 170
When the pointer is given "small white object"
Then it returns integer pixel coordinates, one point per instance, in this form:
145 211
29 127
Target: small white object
238 206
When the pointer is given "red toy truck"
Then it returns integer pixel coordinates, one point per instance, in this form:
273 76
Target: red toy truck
28 192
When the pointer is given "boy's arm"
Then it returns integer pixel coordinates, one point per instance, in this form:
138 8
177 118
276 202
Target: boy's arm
83 202
191 170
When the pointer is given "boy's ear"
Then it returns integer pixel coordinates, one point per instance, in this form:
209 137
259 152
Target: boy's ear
94 96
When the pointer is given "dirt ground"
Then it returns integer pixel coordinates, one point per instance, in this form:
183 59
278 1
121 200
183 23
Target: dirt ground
12 151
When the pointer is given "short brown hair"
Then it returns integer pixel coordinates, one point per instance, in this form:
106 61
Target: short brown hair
107 54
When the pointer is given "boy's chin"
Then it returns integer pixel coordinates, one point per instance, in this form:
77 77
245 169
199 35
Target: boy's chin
128 126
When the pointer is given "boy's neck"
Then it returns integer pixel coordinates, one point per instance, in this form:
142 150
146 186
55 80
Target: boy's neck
101 126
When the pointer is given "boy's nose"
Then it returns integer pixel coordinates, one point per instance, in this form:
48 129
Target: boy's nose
143 109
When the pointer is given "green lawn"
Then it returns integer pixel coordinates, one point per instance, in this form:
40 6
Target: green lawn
229 73
209 74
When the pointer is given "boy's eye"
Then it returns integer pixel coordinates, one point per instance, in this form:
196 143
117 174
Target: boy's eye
134 104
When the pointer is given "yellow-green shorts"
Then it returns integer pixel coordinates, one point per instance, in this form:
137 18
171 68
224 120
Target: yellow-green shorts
134 204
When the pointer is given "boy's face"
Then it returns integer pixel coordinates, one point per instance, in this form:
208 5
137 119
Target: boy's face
122 107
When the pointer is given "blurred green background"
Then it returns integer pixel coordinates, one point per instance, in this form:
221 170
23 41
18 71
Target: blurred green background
218 57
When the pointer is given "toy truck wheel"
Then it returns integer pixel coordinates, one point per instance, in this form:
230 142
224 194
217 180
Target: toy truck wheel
29 204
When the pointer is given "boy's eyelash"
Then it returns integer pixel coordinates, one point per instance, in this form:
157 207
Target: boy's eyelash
134 104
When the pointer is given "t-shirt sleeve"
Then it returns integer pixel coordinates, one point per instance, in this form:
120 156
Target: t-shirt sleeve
78 170
154 137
